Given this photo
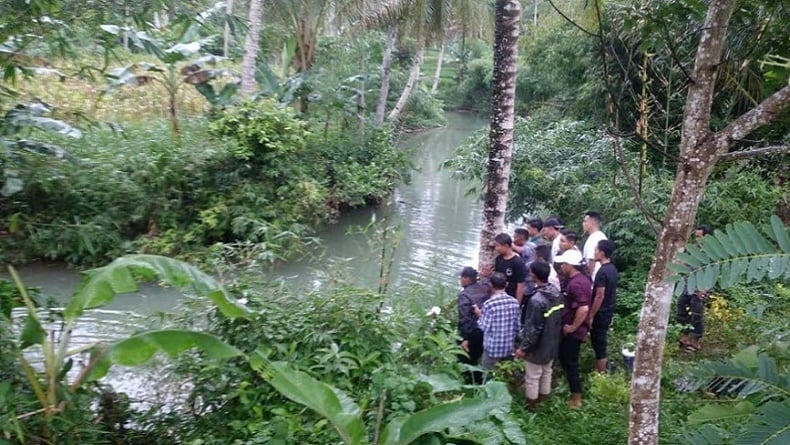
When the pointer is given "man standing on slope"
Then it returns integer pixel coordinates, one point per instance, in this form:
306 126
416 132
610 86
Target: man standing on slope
604 301
499 321
509 263
591 223
578 296
551 231
473 293
540 334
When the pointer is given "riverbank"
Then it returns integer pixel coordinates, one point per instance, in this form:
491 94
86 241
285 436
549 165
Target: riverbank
214 193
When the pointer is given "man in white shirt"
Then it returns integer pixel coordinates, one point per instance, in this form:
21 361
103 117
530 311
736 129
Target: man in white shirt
591 223
551 231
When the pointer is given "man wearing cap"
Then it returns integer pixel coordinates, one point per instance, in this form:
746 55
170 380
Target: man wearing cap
551 231
473 293
578 297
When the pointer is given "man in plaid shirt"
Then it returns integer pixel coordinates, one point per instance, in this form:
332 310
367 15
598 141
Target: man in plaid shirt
499 321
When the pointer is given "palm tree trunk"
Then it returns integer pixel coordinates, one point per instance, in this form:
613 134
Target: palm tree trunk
503 101
226 33
438 74
251 48
462 69
386 70
414 76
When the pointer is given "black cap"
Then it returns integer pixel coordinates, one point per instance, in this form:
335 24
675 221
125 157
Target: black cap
468 272
553 221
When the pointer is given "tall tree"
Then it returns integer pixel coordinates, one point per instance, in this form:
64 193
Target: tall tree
700 149
226 30
414 76
424 20
506 25
386 70
437 75
251 47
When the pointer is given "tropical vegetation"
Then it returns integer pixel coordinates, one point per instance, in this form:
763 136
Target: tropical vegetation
229 134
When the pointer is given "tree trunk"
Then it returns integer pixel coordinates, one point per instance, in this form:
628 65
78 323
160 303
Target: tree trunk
438 74
502 122
700 149
462 69
386 70
414 76
251 48
226 34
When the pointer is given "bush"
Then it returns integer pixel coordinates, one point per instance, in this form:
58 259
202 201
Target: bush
268 181
343 336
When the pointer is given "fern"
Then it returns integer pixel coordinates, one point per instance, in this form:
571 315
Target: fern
739 253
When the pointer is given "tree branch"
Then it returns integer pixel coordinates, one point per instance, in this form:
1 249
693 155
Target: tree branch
758 116
569 20
754 152
651 219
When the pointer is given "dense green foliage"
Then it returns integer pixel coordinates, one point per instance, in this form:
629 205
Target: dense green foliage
250 180
140 191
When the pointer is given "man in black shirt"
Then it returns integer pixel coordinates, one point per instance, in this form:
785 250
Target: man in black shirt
472 294
604 301
511 264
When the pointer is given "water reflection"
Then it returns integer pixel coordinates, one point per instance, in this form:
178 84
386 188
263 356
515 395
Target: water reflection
438 224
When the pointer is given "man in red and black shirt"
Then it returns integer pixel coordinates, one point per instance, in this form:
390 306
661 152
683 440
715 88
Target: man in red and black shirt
578 297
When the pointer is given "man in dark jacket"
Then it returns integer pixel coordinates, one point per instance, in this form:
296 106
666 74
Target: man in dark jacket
540 334
472 293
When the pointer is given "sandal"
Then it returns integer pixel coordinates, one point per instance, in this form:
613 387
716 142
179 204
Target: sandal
688 347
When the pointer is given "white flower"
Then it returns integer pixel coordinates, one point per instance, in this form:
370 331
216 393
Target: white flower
242 300
435 311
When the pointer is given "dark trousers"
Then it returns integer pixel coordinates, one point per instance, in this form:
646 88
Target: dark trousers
691 308
569 358
599 333
475 353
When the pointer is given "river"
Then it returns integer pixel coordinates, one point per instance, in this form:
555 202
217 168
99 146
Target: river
436 222
438 227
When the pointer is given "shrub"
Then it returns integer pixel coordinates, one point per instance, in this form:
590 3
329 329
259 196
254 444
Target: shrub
343 336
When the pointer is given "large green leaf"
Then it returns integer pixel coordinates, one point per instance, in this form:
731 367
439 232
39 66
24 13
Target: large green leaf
769 426
32 333
327 401
405 430
140 348
100 286
706 435
722 412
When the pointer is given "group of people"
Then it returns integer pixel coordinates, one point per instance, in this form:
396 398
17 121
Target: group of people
539 301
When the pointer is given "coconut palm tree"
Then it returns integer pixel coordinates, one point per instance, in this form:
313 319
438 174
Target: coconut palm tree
425 20
507 20
251 47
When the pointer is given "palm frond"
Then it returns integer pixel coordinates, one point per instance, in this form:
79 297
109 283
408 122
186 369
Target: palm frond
742 376
739 253
756 388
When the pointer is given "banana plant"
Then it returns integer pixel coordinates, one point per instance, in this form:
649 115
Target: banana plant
181 62
15 126
472 419
98 288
